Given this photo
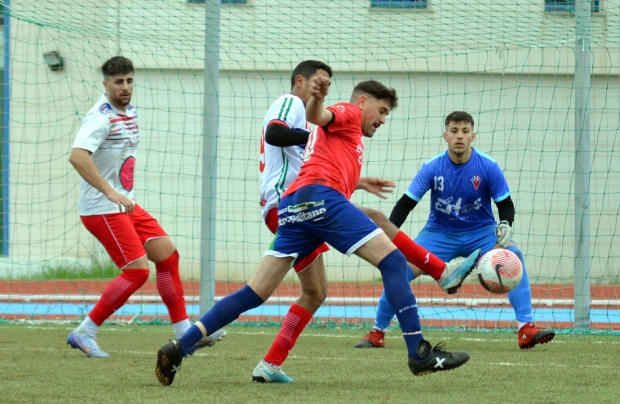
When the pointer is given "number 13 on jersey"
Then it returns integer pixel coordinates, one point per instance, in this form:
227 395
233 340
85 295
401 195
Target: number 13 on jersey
438 183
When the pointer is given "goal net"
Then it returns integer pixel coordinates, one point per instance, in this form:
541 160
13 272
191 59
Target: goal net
509 64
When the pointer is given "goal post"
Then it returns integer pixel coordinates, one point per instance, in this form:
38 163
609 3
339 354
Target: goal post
583 84
208 252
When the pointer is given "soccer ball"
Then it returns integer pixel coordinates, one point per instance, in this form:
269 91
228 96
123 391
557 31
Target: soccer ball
499 271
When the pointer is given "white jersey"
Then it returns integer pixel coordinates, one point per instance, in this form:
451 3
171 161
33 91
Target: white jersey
279 166
112 136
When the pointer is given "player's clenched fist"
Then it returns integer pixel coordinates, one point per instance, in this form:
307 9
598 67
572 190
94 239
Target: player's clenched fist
319 86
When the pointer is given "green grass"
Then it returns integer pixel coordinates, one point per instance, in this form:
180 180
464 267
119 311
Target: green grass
37 366
99 270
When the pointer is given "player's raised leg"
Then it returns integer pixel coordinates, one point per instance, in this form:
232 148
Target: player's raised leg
449 276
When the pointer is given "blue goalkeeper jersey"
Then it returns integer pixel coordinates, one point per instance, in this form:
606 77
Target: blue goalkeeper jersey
460 194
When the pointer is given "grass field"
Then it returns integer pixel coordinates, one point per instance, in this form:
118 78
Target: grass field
36 365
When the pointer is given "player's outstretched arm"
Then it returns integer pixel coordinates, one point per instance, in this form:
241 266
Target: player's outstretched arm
315 110
376 186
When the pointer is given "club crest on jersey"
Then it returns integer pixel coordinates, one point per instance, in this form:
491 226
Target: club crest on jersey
339 108
476 181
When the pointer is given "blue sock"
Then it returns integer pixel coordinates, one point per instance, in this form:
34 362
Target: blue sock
521 297
384 310
222 313
393 270
189 339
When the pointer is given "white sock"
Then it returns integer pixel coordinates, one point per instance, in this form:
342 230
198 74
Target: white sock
89 327
520 324
181 327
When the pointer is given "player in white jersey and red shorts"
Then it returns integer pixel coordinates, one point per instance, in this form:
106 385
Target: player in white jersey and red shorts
283 141
104 154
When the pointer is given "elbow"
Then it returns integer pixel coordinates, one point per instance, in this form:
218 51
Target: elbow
77 156
317 120
270 138
312 119
74 159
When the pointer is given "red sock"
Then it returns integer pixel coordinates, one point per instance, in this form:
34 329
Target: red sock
170 287
293 324
419 256
117 292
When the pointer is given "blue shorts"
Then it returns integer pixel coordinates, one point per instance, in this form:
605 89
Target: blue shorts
459 243
315 214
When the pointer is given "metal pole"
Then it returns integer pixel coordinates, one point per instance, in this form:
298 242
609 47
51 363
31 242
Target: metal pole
582 85
209 155
6 131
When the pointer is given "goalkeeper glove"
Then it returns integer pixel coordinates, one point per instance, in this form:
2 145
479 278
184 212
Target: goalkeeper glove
503 231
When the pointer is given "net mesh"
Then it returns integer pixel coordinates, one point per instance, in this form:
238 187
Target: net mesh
510 64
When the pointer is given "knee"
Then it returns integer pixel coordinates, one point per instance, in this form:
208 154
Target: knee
139 264
138 276
381 220
376 216
321 296
314 296
169 263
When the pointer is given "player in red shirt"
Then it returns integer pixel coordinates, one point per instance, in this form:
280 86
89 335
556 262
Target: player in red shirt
316 209
283 142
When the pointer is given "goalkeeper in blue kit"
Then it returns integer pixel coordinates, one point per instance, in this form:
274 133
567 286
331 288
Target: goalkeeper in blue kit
463 181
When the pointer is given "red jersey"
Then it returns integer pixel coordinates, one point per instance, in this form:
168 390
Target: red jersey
334 154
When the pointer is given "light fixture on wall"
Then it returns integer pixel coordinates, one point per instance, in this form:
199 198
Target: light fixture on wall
53 60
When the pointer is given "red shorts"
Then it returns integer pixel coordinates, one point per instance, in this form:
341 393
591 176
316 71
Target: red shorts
124 235
271 220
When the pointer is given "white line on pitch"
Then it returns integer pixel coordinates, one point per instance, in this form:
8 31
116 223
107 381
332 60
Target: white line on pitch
394 335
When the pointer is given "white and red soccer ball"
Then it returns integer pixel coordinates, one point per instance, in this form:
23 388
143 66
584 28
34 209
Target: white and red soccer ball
499 271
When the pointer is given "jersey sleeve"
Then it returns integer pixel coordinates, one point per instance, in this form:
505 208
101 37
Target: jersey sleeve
289 112
498 185
92 133
420 184
344 116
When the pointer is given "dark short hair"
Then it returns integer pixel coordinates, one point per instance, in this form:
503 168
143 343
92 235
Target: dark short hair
459 116
308 68
377 90
116 66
